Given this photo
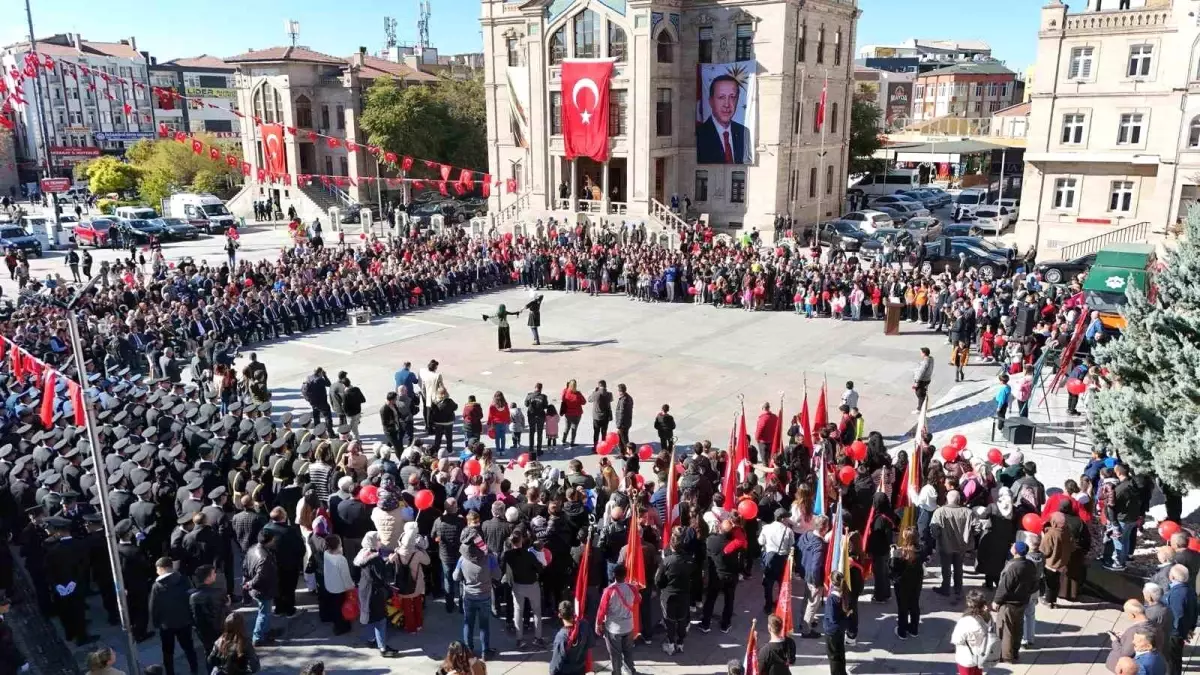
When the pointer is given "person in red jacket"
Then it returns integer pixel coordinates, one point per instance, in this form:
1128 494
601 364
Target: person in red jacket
498 418
571 409
766 430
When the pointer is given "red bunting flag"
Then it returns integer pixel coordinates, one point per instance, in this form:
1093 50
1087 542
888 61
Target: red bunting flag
76 394
127 108
487 186
214 153
180 136
750 660
351 147
287 179
406 164
581 608
291 130
312 136
510 185
262 175
333 142
48 397
445 169
430 164
389 157
231 160
441 185
418 184
246 168
49 62
18 369
197 147
466 178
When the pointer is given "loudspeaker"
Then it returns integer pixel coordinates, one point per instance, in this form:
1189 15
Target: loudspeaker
945 247
1019 430
1026 318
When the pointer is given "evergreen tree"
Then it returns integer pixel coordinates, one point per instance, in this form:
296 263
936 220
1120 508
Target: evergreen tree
1151 416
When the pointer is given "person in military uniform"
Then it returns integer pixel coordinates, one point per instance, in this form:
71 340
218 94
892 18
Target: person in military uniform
143 515
67 572
101 567
32 542
138 573
11 658
219 519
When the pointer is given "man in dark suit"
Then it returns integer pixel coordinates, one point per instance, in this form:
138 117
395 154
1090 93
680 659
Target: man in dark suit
720 140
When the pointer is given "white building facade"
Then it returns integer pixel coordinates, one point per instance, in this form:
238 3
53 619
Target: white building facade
1114 127
85 117
660 49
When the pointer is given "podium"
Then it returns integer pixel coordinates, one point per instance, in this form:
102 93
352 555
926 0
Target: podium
360 316
891 318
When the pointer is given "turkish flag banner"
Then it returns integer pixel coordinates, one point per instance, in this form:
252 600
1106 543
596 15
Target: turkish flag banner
180 136
163 132
272 135
231 160
446 169
487 186
246 168
405 165
442 188
585 107
197 146
389 157
214 154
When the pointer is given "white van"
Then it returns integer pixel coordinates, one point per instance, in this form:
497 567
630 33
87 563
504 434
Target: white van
135 213
878 185
203 211
967 201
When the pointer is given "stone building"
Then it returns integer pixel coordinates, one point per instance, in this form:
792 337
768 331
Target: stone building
660 49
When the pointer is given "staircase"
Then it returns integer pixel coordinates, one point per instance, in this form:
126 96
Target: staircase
504 219
665 217
1137 232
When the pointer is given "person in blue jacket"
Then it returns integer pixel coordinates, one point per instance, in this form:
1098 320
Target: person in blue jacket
568 655
811 548
1181 599
835 622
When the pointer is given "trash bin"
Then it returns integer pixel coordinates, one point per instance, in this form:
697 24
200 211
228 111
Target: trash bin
891 318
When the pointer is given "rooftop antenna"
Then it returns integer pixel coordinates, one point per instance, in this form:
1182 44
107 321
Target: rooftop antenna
423 26
292 28
389 29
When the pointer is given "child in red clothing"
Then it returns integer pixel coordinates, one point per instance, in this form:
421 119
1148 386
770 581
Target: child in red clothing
986 344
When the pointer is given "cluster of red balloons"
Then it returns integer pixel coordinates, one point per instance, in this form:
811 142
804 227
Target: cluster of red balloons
857 451
1168 528
1076 386
610 443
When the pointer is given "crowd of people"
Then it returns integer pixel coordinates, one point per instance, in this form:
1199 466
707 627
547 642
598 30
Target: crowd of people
220 501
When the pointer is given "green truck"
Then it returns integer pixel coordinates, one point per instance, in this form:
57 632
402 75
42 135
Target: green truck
1117 267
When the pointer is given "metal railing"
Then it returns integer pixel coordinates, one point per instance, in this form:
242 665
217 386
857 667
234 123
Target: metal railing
1129 233
665 216
512 211
343 198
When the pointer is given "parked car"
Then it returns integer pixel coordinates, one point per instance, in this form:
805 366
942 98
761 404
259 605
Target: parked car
873 244
967 202
959 230
15 236
1058 271
177 228
932 198
991 219
1013 205
423 214
846 233
988 263
137 230
910 209
97 232
869 219
898 215
898 198
924 228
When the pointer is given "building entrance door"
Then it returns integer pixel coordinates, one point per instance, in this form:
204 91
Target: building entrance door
660 179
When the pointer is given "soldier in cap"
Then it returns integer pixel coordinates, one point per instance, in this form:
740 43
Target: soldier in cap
32 541
220 520
67 573
101 567
120 498
10 656
138 573
189 498
143 516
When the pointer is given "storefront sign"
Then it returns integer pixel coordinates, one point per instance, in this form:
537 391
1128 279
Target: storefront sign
76 129
211 92
56 184
67 152
122 136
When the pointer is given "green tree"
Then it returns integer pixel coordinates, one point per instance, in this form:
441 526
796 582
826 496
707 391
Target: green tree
864 136
157 184
1149 415
207 180
109 174
445 122
168 166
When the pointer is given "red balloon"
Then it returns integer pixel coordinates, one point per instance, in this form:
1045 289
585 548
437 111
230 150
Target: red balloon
729 298
417 290
424 499
472 467
1167 528
369 495
645 452
958 441
679 469
995 456
1032 522
949 453
747 509
692 290
604 448
1076 386
613 439
1194 544
845 475
858 451
523 459
639 481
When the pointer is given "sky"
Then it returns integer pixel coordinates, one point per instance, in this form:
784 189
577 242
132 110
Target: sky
169 29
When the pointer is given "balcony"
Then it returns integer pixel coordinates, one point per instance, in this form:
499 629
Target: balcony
1118 21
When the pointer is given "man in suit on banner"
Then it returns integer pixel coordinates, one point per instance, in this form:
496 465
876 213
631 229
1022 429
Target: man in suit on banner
721 140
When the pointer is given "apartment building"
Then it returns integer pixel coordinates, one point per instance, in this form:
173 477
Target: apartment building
972 90
1114 130
207 95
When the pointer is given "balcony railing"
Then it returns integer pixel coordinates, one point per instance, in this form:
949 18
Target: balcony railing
1117 21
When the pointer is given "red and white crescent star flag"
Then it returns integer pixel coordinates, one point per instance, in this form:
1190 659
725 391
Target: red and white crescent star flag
821 106
272 135
585 107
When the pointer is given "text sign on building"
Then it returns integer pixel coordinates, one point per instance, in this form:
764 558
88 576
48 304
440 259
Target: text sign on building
212 92
899 100
122 136
56 184
68 152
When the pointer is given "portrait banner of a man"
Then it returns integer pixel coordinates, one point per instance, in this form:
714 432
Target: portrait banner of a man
725 113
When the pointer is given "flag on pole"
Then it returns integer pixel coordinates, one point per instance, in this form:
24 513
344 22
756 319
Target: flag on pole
783 603
777 439
581 585
635 564
821 414
672 503
835 553
738 451
750 660
821 105
806 439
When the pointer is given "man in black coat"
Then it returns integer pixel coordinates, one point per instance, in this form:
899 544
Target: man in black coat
101 567
535 415
172 615
12 661
447 534
723 566
67 573
260 579
138 574
201 546
289 559
209 606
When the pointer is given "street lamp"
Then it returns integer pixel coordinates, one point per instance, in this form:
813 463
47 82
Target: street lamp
98 465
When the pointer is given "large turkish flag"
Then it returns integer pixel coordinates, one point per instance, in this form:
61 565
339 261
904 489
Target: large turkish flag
272 135
585 107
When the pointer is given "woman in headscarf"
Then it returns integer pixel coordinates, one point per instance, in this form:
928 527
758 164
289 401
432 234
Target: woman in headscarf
1000 533
410 560
500 318
1081 540
388 519
373 593
1057 547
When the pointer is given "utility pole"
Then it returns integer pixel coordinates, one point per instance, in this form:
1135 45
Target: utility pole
44 146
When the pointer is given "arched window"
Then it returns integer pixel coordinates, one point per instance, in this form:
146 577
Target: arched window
1194 133
666 48
558 46
618 48
267 104
304 118
587 35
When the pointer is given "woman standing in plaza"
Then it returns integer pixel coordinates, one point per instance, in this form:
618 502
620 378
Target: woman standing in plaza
573 401
503 332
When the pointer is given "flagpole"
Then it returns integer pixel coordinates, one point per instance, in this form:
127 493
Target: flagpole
821 156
